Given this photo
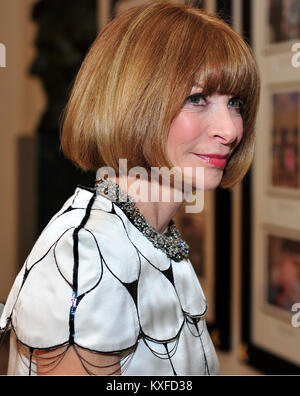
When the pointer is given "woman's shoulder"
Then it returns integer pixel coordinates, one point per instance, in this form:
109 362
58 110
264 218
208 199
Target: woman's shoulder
86 219
79 263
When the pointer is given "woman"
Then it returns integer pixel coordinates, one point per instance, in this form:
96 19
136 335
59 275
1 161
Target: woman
108 288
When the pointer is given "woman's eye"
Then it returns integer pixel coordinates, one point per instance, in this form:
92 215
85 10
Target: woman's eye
196 99
237 104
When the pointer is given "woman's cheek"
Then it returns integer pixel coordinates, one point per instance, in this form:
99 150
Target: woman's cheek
186 126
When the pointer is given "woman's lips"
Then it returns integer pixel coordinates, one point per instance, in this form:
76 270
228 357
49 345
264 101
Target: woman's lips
217 160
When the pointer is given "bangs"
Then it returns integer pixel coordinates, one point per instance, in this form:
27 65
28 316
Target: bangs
225 65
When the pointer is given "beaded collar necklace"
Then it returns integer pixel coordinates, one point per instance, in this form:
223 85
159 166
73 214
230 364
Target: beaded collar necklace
169 242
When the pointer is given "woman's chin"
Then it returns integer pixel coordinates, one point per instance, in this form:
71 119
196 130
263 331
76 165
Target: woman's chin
211 180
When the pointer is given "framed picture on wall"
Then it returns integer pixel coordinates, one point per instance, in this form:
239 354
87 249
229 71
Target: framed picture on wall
282 273
284 140
283 20
274 311
281 24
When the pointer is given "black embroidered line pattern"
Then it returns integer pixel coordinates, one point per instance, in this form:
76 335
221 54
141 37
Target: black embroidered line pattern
166 346
125 356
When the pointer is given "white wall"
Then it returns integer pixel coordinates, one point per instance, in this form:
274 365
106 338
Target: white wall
21 101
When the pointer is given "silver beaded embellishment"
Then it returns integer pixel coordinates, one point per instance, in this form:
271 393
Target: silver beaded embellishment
170 242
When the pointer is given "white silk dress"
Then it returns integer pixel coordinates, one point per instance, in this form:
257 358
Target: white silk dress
93 281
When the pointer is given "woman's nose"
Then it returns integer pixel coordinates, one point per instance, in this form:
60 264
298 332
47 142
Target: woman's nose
224 126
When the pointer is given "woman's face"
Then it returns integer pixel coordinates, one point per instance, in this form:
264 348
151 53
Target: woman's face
204 134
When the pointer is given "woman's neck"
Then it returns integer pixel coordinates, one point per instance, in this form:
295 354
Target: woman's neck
156 201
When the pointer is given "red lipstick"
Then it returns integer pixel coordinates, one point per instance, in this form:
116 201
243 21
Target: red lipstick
217 160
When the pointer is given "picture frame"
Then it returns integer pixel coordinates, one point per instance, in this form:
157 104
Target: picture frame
282 22
272 327
283 114
270 323
282 272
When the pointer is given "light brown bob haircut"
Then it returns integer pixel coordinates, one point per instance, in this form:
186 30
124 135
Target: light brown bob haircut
135 80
